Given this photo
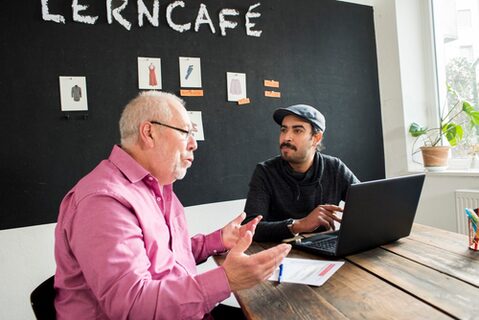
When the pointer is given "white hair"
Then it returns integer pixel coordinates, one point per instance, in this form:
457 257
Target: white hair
147 106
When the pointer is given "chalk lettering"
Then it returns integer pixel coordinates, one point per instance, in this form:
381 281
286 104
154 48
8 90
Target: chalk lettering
80 18
225 23
115 13
174 26
249 25
202 18
143 11
58 18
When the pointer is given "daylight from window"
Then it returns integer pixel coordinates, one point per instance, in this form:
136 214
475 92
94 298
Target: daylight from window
456 29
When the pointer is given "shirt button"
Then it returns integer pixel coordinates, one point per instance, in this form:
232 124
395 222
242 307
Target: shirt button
158 199
150 178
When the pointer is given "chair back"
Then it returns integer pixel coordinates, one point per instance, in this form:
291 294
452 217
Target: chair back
42 300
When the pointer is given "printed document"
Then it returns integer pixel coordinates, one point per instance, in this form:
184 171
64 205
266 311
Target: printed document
306 271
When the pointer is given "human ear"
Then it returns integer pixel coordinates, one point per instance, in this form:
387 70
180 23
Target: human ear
318 137
146 134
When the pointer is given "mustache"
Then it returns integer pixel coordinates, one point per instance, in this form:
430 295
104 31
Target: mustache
287 144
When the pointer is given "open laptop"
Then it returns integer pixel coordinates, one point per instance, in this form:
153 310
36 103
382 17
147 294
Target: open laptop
375 213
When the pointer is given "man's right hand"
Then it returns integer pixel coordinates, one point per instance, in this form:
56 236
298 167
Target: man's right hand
244 271
322 215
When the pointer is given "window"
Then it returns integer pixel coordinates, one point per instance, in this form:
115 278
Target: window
456 29
467 53
464 18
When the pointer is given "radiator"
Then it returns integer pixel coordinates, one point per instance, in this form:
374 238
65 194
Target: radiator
465 199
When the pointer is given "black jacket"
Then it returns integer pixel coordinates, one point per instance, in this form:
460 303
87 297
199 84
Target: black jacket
278 193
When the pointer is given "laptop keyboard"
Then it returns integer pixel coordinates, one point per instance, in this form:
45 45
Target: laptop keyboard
326 244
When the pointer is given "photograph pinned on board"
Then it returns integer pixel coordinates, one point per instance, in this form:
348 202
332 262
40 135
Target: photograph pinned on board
149 73
190 72
73 96
236 86
196 120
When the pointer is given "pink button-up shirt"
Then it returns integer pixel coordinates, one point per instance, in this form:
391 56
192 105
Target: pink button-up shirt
123 251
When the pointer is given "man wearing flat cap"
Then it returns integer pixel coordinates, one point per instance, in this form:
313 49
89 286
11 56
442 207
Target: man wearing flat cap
299 190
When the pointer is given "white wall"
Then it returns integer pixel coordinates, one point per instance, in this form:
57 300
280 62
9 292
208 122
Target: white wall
438 206
27 260
390 88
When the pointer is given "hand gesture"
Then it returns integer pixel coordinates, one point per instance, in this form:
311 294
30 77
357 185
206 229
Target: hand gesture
245 271
233 231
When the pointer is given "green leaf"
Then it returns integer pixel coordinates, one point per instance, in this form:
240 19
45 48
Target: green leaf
472 113
416 130
449 88
453 133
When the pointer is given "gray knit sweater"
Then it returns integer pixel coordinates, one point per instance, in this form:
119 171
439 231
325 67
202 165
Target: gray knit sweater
278 193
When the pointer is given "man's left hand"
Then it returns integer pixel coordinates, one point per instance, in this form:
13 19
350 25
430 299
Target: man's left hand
234 231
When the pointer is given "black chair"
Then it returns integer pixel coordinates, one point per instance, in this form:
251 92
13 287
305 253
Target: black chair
42 300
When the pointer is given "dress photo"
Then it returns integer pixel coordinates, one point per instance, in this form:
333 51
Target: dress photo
153 82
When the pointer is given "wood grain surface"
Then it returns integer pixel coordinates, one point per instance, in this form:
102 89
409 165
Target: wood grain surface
429 275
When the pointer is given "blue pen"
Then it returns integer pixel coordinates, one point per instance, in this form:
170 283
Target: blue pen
280 274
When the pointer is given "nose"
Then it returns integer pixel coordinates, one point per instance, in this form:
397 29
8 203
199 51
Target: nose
285 136
192 144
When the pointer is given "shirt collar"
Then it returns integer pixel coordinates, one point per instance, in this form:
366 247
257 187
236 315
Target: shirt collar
132 170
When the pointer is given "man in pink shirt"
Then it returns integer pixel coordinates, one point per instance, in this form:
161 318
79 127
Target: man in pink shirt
121 243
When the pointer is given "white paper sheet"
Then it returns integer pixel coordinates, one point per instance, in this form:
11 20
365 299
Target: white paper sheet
73 95
190 72
236 86
149 73
306 271
195 117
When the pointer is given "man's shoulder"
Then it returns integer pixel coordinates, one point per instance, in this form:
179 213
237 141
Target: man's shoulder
327 159
334 165
104 178
270 163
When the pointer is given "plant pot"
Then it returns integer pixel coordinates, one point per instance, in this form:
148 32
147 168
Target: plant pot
435 158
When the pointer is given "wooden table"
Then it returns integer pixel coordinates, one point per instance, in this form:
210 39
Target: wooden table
429 275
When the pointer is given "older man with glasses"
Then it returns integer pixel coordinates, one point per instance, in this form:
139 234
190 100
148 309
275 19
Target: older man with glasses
121 242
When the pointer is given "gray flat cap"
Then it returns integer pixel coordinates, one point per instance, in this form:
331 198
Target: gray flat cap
302 111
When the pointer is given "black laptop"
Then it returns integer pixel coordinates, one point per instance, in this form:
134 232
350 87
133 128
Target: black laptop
375 213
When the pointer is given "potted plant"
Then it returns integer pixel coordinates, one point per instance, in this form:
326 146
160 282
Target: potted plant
434 153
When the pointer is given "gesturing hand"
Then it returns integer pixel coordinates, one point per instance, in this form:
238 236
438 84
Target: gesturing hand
326 214
233 231
245 271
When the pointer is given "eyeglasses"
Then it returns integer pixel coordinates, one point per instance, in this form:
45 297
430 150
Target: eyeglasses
187 133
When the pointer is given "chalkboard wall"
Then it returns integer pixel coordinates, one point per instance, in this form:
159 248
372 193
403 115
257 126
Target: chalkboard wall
321 51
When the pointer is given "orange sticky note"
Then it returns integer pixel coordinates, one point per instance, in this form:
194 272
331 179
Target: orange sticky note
271 83
243 101
272 94
191 93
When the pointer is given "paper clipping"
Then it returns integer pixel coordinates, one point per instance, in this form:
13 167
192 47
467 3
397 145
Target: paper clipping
236 86
149 73
73 95
190 72
196 120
